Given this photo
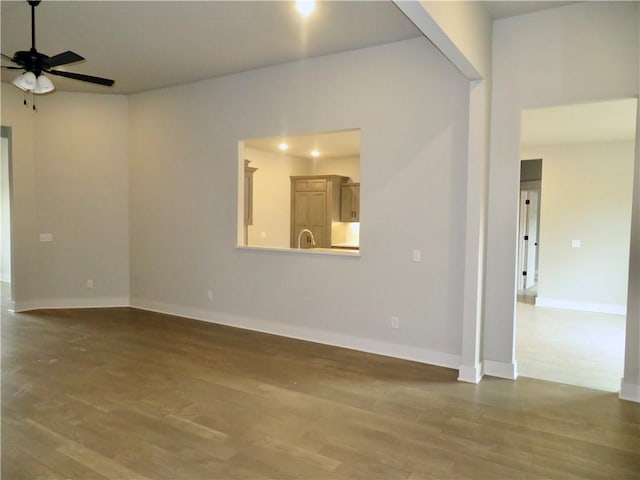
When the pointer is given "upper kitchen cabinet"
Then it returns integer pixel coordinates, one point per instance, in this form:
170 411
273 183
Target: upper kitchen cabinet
350 202
315 205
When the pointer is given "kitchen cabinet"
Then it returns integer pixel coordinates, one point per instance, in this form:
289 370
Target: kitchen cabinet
248 192
350 202
248 198
315 204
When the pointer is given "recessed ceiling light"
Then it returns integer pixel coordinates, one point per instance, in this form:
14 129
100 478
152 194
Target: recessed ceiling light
305 7
315 153
283 146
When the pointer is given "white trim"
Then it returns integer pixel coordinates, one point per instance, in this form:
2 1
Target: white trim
378 347
419 16
581 306
501 369
470 374
629 391
60 303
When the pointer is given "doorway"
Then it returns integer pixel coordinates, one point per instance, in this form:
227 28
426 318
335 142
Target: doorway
570 313
6 283
529 229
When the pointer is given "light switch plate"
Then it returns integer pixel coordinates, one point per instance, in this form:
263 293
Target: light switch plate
576 243
46 237
416 255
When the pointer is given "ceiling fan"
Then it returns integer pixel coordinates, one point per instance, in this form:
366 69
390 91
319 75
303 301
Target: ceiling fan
36 64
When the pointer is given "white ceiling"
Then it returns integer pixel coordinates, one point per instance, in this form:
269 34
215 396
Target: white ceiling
502 9
150 44
329 144
145 45
587 122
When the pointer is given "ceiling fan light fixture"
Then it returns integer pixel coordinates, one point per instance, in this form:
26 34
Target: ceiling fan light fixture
43 85
27 81
34 63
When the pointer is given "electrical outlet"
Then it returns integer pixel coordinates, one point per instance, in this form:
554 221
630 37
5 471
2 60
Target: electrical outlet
395 322
210 295
89 283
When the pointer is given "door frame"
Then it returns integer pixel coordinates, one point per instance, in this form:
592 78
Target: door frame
6 132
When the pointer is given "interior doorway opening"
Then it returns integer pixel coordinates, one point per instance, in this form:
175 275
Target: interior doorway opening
6 276
529 229
573 255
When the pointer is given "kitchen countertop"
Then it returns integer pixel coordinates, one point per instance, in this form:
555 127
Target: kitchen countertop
347 252
353 246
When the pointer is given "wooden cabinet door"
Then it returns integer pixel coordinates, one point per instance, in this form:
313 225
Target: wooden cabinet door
318 185
355 202
350 203
301 210
310 209
319 234
346 211
311 185
317 209
315 204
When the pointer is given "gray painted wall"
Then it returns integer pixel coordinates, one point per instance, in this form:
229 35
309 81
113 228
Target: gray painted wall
410 104
588 52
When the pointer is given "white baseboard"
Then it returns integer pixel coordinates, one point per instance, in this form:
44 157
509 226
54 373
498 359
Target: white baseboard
60 303
466 373
470 373
389 349
629 391
501 369
581 306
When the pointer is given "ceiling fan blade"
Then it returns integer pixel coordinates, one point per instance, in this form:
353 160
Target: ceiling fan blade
7 57
11 68
85 78
64 59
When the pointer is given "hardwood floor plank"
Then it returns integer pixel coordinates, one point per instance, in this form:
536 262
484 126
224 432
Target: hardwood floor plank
86 456
122 393
17 464
195 428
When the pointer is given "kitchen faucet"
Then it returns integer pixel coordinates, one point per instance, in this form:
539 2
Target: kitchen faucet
306 230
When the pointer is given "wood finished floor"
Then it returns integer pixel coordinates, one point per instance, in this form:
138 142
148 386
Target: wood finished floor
567 346
128 394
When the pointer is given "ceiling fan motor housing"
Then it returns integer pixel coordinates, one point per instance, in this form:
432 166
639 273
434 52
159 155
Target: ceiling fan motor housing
32 61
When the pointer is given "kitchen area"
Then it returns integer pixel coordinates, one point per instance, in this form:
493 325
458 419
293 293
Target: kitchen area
302 192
